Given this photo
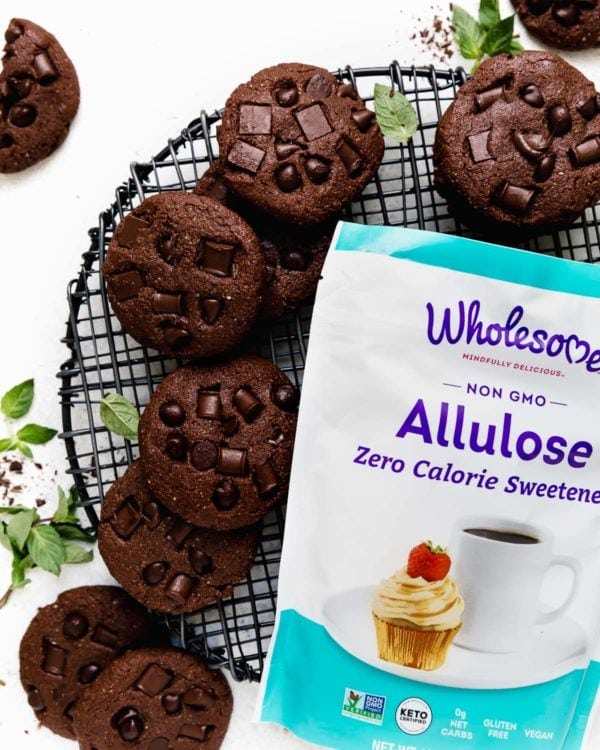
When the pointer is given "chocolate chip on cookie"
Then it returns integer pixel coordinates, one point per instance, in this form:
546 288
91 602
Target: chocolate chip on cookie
155 699
163 561
185 275
294 254
216 441
70 642
39 95
568 24
298 144
521 142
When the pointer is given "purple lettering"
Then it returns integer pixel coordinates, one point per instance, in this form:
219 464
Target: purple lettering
491 439
579 450
554 447
520 445
362 452
416 423
464 323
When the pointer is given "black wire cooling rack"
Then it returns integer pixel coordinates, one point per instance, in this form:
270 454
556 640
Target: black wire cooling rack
235 632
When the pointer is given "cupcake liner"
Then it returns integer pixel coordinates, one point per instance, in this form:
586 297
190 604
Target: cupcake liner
412 647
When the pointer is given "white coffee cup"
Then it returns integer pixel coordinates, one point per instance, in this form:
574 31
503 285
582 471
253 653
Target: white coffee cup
500 579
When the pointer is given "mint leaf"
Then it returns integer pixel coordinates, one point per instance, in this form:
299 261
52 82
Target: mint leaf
4 540
19 526
6 444
489 14
499 37
469 34
35 434
65 512
19 566
24 449
12 509
71 531
515 48
395 115
75 553
120 416
62 512
46 548
17 402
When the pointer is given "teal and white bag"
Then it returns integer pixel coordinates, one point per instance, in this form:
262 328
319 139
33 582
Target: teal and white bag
440 581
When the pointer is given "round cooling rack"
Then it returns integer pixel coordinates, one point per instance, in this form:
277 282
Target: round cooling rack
235 632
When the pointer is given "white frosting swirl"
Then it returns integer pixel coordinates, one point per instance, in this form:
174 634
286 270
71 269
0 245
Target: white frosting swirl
431 605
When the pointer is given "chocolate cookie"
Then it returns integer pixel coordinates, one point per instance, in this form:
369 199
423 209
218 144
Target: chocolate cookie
185 275
39 95
155 699
164 562
69 643
521 142
294 254
297 143
568 24
216 442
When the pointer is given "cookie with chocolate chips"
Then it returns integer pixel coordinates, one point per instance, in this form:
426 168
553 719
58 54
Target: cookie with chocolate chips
39 95
294 254
568 24
163 561
520 145
216 441
298 144
70 642
155 699
185 275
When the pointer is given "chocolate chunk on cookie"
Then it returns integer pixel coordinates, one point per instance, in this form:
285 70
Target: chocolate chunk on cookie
39 95
521 142
224 461
568 24
155 699
298 144
185 275
163 561
294 254
70 642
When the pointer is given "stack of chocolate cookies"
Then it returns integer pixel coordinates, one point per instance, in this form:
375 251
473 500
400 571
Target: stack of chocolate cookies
93 673
182 525
189 274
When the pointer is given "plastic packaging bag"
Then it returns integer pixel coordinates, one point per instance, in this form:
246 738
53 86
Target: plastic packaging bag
440 578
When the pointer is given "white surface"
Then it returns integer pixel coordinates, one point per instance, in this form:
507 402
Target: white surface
548 652
146 69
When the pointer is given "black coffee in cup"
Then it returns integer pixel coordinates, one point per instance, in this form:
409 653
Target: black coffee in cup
498 535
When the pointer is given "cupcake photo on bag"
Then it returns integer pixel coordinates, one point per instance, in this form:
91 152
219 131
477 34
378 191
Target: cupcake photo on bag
417 612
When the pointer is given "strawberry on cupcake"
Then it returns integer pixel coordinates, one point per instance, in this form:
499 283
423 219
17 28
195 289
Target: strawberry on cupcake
417 612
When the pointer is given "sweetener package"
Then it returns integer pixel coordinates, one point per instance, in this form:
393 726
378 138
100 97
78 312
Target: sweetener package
440 582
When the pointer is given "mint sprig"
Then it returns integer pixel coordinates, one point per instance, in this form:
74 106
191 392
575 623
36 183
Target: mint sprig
14 405
46 543
489 36
120 416
395 115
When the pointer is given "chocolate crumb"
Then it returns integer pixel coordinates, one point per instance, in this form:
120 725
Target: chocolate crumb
437 39
16 467
39 502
